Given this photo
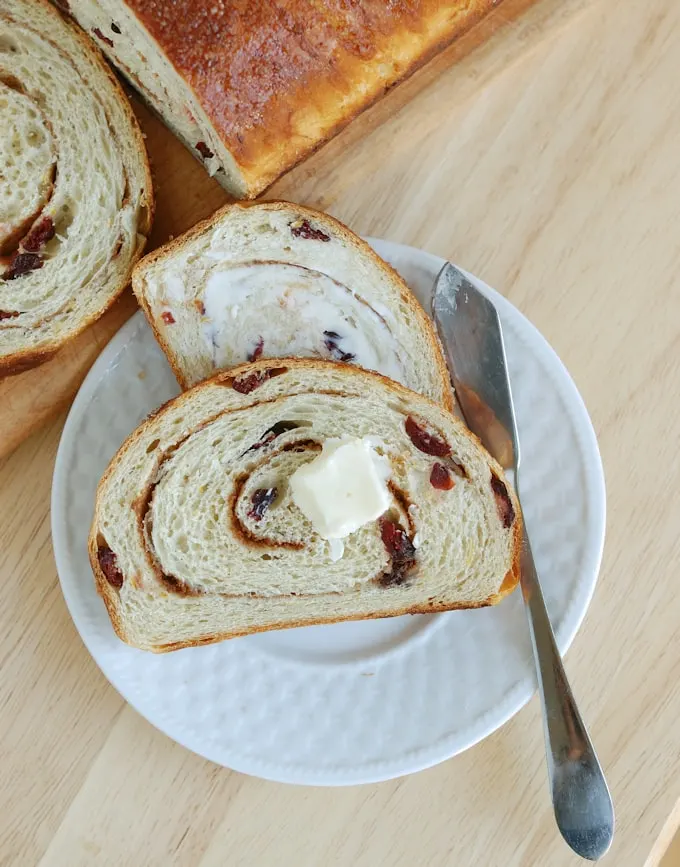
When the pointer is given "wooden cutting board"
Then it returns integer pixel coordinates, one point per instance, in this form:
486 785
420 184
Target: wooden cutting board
185 193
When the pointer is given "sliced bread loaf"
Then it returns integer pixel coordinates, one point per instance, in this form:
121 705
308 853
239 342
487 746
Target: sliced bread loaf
197 537
253 87
277 279
76 203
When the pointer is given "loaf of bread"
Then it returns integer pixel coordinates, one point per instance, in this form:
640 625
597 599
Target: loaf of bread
75 190
277 279
197 537
252 88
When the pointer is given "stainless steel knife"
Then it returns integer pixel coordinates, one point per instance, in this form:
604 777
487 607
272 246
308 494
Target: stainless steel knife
472 336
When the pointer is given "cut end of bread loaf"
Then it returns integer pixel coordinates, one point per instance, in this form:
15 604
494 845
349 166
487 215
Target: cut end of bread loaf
277 279
79 202
196 536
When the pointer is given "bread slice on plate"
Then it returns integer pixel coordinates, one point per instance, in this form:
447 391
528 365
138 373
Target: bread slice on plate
197 536
253 87
277 279
77 201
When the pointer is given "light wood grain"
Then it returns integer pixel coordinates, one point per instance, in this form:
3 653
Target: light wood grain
672 856
547 163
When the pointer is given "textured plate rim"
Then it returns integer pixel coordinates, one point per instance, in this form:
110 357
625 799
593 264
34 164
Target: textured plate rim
514 700
586 434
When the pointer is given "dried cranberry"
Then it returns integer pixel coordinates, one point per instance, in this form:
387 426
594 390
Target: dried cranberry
271 433
167 317
257 352
108 563
425 441
97 32
204 150
440 478
8 314
401 550
331 339
246 384
22 263
302 229
262 500
398 544
504 505
115 27
249 382
39 235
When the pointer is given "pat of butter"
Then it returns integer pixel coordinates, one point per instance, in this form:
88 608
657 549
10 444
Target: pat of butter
343 488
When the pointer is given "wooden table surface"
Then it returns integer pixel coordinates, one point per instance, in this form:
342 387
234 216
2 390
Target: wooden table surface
548 163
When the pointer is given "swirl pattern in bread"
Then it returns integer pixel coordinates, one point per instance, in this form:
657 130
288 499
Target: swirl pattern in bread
196 536
276 279
76 202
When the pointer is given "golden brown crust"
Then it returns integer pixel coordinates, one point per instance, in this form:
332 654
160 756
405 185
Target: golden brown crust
110 594
25 359
213 638
104 589
277 79
177 245
430 608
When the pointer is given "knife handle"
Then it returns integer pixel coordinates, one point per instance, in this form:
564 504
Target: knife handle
583 806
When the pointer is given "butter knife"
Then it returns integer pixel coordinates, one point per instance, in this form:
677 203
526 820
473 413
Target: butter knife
472 336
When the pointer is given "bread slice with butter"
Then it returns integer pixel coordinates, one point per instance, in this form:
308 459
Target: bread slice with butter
215 518
276 279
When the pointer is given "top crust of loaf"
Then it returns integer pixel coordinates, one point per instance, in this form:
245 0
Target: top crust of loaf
152 267
59 35
357 380
285 81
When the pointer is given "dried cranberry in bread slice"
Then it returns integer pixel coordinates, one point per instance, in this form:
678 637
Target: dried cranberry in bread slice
277 279
253 87
196 536
76 201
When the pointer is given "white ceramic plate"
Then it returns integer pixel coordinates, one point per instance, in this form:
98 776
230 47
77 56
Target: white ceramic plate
357 702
